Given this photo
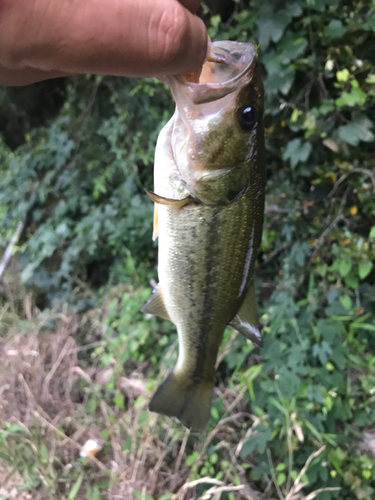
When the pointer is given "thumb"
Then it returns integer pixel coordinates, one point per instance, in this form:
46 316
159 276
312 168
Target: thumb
116 37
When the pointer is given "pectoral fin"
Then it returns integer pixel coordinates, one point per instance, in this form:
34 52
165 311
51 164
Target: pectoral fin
167 201
246 320
155 304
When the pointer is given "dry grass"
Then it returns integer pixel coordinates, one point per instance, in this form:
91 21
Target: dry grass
39 379
46 391
38 371
57 397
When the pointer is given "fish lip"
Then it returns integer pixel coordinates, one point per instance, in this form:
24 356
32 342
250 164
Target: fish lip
204 92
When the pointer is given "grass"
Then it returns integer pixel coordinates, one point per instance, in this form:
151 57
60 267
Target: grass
56 394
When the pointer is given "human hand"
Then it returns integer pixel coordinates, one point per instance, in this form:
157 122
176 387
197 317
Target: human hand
43 39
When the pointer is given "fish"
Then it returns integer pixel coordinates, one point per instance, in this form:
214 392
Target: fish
209 190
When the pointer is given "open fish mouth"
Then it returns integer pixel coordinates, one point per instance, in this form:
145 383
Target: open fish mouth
229 66
206 101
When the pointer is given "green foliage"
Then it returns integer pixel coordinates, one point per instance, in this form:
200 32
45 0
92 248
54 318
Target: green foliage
318 246
18 450
133 336
88 170
313 384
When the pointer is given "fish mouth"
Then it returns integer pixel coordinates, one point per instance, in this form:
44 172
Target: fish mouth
229 66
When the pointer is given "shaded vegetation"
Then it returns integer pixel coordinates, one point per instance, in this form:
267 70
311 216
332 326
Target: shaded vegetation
87 153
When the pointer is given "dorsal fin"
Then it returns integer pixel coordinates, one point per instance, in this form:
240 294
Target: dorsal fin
246 320
155 304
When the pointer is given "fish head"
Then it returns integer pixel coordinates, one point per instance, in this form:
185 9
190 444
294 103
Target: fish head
217 137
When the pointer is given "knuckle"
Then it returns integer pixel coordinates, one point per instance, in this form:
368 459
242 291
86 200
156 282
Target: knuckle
13 23
170 34
6 43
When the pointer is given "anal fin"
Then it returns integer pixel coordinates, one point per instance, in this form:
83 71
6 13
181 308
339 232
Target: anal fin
155 304
246 320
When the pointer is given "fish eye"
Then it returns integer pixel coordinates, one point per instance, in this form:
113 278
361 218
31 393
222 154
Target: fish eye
247 118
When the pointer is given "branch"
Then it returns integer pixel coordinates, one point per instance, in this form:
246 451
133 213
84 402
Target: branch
16 236
355 170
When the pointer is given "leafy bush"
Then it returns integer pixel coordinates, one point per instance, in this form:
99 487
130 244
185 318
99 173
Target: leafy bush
88 170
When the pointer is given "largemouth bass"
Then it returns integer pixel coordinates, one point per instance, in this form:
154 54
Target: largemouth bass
209 183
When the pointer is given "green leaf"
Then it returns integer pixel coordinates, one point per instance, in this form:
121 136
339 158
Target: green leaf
343 75
297 151
127 445
293 474
191 459
372 232
140 402
143 417
43 454
364 269
93 493
278 405
363 326
335 29
215 413
257 441
346 302
367 474
281 478
290 48
270 29
76 487
356 97
272 24
359 129
281 466
139 495
119 400
298 253
313 429
252 373
352 281
294 116
322 351
344 267
289 380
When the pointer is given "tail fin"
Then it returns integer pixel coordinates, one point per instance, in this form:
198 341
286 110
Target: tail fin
189 401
